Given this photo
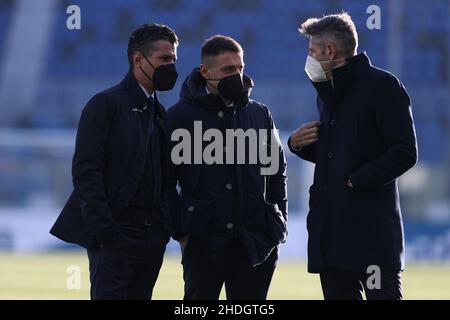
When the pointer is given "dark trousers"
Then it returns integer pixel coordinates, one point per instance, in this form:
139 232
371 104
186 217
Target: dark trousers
349 285
128 267
204 276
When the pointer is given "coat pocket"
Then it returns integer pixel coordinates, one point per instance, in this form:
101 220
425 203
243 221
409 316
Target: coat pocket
266 219
197 215
276 223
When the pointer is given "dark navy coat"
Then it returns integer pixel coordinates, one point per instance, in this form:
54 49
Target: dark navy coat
108 164
220 201
367 136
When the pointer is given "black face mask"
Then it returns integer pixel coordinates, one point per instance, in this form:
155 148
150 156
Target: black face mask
164 77
230 87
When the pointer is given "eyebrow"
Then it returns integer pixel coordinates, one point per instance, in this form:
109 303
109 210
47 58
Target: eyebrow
232 66
168 55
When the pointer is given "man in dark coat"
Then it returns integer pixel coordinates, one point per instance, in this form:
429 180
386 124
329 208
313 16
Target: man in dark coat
230 215
364 141
119 171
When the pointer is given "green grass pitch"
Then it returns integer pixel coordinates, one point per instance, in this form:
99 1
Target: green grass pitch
44 276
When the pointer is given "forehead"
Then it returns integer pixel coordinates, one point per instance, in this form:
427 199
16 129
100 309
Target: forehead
164 47
228 59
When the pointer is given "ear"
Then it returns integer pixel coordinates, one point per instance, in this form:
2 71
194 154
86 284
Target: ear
331 51
204 71
138 59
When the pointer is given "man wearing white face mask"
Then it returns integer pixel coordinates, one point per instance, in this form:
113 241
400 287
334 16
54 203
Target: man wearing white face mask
364 141
315 70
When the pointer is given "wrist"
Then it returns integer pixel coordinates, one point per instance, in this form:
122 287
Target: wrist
294 147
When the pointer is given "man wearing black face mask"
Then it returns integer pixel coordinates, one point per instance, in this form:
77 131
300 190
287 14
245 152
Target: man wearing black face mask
229 217
117 209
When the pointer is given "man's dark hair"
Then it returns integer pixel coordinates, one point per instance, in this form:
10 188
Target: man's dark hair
143 39
339 26
217 45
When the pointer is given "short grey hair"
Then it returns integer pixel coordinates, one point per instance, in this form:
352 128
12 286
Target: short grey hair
339 26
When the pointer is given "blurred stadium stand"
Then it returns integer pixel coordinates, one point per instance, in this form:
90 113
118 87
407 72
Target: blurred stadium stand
40 108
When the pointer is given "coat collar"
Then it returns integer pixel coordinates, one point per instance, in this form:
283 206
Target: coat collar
194 91
342 78
138 95
353 66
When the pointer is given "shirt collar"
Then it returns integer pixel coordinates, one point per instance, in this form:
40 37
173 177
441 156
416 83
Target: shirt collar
146 92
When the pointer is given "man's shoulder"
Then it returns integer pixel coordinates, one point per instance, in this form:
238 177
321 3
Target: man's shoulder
386 84
258 107
106 100
114 95
176 108
184 108
256 104
180 114
115 92
382 76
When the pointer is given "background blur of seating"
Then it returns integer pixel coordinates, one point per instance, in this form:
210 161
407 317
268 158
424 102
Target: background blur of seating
47 74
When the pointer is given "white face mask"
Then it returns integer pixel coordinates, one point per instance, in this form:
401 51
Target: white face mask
315 71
